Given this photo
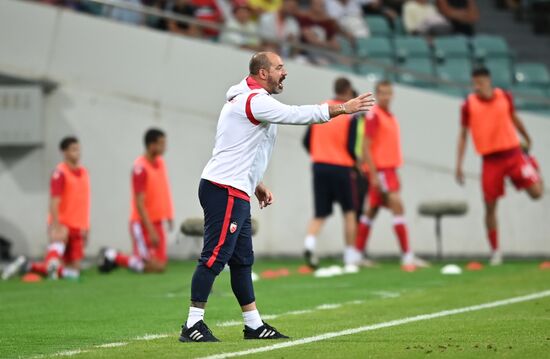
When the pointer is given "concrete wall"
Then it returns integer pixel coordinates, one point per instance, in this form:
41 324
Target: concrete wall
116 80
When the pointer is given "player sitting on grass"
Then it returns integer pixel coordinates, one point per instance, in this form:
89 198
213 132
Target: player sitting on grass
151 212
69 219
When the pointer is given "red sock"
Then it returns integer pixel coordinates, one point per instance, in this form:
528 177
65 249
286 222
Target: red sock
39 268
362 236
493 238
401 232
122 260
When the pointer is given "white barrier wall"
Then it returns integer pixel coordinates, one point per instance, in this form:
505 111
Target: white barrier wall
117 80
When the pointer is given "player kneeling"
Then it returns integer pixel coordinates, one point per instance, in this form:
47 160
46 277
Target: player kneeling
151 212
69 218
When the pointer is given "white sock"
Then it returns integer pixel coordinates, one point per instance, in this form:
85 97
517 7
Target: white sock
136 264
351 255
110 254
309 243
195 315
252 319
58 247
70 273
408 257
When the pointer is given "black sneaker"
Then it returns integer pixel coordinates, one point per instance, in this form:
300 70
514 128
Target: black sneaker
311 259
104 264
197 333
266 331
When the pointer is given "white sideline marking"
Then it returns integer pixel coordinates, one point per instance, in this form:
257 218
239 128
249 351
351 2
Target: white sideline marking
69 353
152 336
233 323
391 323
112 345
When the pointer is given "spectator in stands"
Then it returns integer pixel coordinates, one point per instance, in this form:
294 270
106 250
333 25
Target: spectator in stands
379 7
349 16
123 15
209 11
318 29
240 29
420 17
280 26
462 14
265 6
186 8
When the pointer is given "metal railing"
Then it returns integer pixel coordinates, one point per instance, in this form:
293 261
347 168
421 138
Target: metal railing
342 59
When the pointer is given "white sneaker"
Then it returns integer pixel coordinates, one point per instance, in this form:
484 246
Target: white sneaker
53 268
14 268
496 258
409 259
351 268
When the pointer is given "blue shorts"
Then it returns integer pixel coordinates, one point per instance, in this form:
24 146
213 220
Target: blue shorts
227 227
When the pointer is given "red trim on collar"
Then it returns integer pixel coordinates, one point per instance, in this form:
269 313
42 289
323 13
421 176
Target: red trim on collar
253 84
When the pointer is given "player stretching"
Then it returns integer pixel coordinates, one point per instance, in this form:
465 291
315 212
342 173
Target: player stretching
245 137
151 212
69 219
490 116
333 177
382 155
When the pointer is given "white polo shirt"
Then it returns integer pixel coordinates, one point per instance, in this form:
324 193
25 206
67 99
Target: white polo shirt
246 132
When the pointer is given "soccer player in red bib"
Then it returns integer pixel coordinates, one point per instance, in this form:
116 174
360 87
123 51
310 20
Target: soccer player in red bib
151 212
68 220
488 114
382 155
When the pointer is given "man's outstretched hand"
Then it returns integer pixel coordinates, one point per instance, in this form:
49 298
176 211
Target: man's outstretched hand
264 195
361 103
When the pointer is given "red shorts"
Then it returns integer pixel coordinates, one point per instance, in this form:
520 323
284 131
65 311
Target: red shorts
518 166
142 245
389 182
74 249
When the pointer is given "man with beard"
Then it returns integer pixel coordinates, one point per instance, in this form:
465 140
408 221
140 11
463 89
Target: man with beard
246 132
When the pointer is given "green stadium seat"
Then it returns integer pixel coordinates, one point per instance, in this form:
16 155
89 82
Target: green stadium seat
411 47
448 47
342 68
458 70
490 46
422 66
346 48
501 72
535 74
399 28
374 47
378 26
529 98
372 73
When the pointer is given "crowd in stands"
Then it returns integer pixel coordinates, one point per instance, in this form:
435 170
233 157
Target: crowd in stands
278 24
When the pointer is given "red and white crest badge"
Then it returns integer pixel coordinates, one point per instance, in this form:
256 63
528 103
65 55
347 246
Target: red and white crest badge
233 227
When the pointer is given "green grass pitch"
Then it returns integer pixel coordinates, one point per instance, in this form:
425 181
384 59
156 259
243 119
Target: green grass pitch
108 316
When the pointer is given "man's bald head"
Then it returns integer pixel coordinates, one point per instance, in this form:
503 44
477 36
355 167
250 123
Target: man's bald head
260 60
267 68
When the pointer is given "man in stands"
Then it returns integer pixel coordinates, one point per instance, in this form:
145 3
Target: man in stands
151 212
69 219
489 115
382 155
334 178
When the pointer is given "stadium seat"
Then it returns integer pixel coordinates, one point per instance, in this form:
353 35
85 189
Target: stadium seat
372 73
399 28
490 46
458 70
529 98
439 209
343 68
378 26
407 47
451 47
374 47
533 74
421 66
501 72
346 48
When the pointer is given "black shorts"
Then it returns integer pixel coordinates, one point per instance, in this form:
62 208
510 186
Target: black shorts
333 184
227 228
